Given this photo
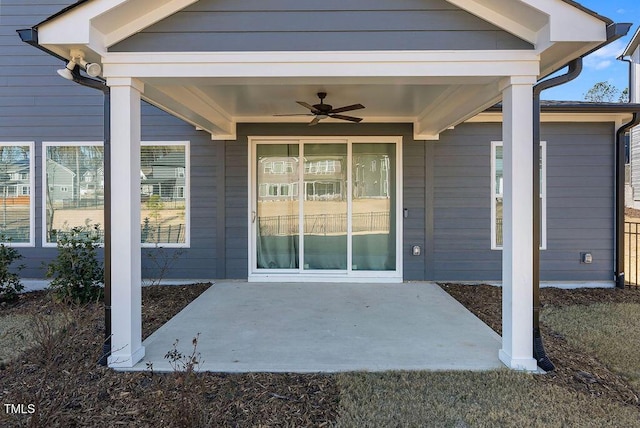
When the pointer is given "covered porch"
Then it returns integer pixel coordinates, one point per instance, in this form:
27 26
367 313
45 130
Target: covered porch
326 327
434 87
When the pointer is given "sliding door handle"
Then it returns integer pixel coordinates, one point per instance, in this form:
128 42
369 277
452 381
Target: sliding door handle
253 216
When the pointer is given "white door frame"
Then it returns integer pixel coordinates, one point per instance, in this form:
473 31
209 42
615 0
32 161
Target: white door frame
297 275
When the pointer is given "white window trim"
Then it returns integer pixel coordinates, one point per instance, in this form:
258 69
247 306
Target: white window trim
543 195
45 145
32 205
187 195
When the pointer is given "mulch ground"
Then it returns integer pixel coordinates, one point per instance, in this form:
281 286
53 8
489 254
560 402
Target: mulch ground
61 377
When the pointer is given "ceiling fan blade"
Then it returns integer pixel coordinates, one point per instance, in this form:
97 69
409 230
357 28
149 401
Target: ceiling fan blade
307 105
295 114
314 121
343 117
347 108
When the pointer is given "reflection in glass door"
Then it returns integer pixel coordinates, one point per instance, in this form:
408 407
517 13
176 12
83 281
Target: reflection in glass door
325 206
277 209
373 207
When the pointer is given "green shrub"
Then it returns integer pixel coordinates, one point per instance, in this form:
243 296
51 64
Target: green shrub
77 274
10 285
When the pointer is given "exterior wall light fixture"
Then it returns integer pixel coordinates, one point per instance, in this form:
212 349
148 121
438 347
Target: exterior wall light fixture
77 58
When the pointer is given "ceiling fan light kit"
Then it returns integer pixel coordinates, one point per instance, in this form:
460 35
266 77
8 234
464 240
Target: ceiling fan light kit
323 111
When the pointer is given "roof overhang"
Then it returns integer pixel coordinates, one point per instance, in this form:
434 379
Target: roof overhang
569 111
433 89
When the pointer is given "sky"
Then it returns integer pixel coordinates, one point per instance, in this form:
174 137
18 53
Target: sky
602 65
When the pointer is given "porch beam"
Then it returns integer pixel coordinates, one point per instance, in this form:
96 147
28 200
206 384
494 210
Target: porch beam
126 305
360 64
517 253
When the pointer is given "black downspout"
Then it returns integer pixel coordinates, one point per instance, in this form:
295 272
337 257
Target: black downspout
30 36
614 32
620 157
101 86
619 208
575 67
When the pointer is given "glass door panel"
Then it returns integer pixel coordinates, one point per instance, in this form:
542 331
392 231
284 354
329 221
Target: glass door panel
373 206
277 208
325 206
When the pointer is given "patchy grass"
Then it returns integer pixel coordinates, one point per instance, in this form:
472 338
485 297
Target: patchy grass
461 399
609 331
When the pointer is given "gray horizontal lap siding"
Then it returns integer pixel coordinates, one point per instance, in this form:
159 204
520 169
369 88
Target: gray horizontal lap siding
38 105
579 203
334 25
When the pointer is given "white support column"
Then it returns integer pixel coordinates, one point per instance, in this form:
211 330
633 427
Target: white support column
126 300
517 252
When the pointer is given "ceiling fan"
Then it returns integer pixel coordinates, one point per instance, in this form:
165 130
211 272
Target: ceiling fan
323 111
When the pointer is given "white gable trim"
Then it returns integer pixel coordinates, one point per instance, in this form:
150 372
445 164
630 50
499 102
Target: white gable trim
99 24
538 21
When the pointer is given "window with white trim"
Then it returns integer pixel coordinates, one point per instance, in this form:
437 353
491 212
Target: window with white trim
497 189
16 202
73 183
164 186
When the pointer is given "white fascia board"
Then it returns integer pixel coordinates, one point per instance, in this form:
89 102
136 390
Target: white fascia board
74 26
100 24
498 18
632 47
135 16
566 22
570 24
325 64
496 117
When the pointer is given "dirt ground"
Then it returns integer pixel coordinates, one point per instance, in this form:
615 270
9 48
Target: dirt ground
61 376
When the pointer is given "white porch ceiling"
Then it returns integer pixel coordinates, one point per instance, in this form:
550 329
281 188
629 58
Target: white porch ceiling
258 100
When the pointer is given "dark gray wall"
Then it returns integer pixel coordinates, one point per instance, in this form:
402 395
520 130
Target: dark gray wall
305 25
579 202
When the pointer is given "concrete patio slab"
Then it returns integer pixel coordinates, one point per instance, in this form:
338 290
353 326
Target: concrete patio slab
324 327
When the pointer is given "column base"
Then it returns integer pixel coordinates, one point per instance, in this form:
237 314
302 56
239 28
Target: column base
124 360
521 364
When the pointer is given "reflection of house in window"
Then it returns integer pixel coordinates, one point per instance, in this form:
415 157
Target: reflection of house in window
276 191
320 167
323 190
15 179
278 178
92 183
164 177
278 167
61 182
369 180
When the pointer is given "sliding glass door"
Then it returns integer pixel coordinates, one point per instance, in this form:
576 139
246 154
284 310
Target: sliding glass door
325 207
